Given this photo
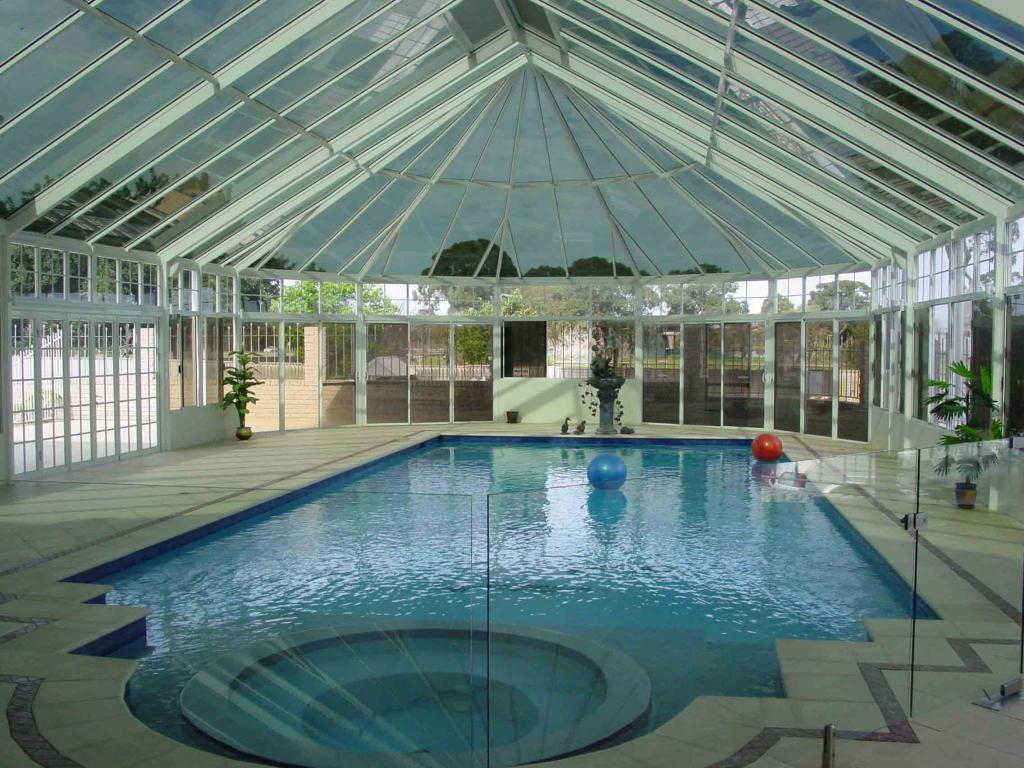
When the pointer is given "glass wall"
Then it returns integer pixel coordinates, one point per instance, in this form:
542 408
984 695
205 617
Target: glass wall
743 373
473 390
387 373
1014 408
852 419
338 374
428 373
818 378
702 374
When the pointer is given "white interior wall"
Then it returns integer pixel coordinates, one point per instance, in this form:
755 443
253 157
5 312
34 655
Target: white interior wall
189 427
545 401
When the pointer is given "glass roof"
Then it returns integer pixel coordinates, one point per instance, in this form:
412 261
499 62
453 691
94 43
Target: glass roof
462 138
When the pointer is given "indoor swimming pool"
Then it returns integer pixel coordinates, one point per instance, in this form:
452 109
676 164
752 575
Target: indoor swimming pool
689 573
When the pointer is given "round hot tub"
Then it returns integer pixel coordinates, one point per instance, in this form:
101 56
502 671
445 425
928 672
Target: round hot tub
408 690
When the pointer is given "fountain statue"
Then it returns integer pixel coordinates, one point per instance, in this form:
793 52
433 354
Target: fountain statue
603 377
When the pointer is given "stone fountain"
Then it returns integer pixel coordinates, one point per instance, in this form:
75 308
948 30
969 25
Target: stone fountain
604 379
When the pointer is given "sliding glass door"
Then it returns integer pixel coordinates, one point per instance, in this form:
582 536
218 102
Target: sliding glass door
788 347
702 374
743 375
338 374
429 382
661 374
387 373
818 379
473 374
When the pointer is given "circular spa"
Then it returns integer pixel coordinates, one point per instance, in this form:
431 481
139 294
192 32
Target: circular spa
415 690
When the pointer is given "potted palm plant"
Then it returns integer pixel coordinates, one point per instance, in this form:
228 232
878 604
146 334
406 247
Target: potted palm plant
967 413
240 379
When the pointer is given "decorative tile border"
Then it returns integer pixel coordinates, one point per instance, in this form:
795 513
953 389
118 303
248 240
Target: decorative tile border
22 723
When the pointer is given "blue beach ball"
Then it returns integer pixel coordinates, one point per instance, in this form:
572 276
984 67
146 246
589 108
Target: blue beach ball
606 471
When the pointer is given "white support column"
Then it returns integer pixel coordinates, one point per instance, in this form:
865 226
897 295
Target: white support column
360 360
999 340
910 372
769 359
6 394
497 358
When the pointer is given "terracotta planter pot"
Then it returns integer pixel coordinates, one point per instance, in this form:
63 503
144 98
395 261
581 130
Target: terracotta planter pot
243 433
512 417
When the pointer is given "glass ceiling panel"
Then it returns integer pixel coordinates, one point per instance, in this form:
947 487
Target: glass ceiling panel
877 197
269 165
563 157
703 240
794 132
133 176
479 20
941 39
897 97
854 37
809 239
586 231
376 96
371 222
647 229
358 60
326 63
164 177
81 42
313 234
264 21
475 225
419 239
992 23
606 155
530 164
495 163
535 232
49 120
207 176
665 158
466 160
24 21
427 157
101 132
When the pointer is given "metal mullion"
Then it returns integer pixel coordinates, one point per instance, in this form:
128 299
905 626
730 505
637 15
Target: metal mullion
152 162
149 201
65 331
282 344
137 326
803 373
842 49
953 69
84 72
723 80
671 24
195 201
451 372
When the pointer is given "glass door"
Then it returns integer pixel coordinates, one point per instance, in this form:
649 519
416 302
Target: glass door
853 413
661 374
261 340
702 374
787 375
743 375
338 374
429 396
473 387
818 379
387 373
301 375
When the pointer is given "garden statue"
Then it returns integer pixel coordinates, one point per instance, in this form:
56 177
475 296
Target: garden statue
580 428
565 426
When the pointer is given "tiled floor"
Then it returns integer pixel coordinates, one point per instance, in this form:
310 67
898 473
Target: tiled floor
65 710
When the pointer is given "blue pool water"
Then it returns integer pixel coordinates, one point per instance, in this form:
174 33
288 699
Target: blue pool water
688 570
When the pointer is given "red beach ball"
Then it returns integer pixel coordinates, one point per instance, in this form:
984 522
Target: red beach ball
766 447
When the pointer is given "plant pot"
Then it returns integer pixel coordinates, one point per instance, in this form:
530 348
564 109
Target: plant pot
243 433
966 495
512 417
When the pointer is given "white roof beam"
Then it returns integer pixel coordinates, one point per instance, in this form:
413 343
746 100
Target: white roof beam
723 76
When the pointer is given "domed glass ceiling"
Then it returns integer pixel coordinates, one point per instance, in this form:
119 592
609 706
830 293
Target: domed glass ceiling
510 137
537 180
